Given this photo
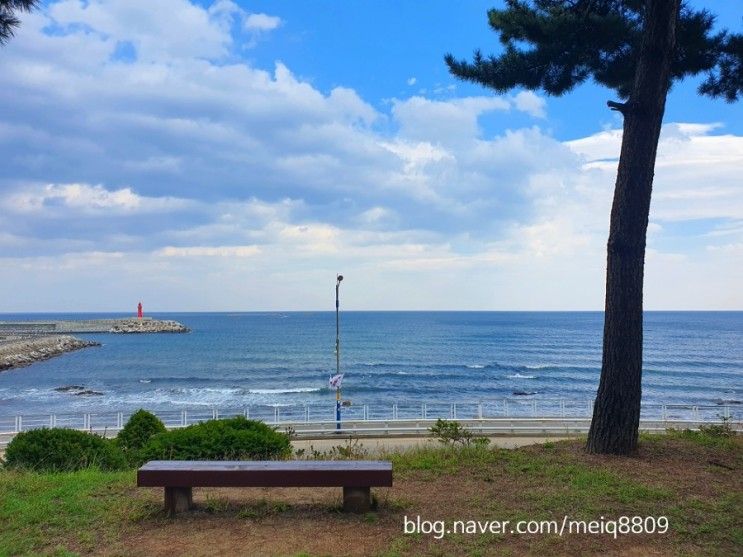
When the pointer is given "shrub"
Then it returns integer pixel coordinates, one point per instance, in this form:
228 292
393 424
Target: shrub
141 426
453 433
231 439
450 432
352 450
58 449
723 429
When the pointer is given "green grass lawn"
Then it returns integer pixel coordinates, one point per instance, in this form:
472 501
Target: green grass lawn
693 479
50 512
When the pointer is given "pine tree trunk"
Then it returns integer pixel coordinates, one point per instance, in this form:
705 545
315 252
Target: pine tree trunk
616 411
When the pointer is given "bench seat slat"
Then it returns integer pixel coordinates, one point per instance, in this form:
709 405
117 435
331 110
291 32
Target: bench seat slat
267 464
297 473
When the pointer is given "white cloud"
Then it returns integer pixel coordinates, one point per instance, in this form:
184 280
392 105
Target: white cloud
695 172
87 198
166 29
531 103
444 121
199 179
411 81
376 215
262 22
456 119
208 251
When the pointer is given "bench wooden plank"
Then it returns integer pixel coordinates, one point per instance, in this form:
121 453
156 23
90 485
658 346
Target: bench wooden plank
178 477
265 474
264 464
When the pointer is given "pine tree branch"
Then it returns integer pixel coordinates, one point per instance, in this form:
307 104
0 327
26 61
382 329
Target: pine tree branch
619 107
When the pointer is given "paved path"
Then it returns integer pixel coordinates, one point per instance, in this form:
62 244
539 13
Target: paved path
375 445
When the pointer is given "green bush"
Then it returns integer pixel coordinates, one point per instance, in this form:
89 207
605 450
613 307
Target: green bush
141 426
454 433
723 429
57 450
231 439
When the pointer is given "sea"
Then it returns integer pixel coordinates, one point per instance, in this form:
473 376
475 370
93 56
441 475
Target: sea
284 359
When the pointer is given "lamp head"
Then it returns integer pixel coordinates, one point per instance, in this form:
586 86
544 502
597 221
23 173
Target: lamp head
339 278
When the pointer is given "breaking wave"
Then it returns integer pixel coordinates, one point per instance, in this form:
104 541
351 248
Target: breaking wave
282 391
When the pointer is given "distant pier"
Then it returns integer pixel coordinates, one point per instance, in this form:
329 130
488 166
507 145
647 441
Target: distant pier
123 325
22 351
25 342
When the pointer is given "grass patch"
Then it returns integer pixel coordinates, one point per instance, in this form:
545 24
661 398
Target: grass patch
699 520
693 478
263 509
438 461
713 437
68 511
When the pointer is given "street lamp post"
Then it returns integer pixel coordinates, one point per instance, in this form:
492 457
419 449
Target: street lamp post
338 280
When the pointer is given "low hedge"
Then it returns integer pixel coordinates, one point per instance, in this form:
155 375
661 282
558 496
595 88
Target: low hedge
228 439
140 427
62 450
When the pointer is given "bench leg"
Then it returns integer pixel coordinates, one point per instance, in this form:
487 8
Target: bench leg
178 499
357 499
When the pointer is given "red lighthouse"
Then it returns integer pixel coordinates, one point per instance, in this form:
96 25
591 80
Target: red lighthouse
139 311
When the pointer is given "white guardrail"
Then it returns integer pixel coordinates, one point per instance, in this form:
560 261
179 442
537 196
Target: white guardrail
397 418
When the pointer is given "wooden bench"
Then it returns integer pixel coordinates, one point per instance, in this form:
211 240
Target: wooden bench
178 477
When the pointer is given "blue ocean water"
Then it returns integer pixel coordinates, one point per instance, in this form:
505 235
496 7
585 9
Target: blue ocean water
238 359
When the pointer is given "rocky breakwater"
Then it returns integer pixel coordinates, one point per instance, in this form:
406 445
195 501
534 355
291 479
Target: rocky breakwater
24 351
133 326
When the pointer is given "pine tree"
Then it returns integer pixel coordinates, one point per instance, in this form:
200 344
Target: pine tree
638 48
8 18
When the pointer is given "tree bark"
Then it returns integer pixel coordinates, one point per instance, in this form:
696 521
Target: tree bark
616 411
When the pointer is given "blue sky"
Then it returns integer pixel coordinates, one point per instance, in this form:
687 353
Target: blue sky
235 155
375 48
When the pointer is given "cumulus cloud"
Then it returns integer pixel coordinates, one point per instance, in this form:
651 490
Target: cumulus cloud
89 199
444 121
695 170
163 30
188 173
208 251
262 22
531 103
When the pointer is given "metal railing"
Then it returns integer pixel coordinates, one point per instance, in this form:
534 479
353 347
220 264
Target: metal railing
401 417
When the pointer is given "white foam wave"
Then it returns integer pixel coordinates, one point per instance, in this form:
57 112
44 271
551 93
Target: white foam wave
476 366
145 380
519 376
540 366
282 391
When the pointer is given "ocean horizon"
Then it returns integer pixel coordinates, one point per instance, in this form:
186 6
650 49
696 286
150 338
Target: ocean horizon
237 359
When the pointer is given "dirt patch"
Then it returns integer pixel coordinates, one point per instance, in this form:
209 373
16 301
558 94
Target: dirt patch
672 477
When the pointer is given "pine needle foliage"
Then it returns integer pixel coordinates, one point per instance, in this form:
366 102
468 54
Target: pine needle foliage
9 21
555 45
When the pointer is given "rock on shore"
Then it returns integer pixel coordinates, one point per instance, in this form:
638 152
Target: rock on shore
148 326
78 390
19 352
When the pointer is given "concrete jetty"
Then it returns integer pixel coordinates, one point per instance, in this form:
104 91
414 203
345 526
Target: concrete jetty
123 325
23 351
25 342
